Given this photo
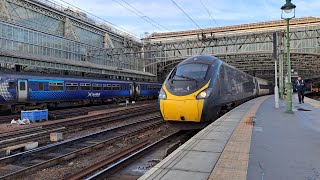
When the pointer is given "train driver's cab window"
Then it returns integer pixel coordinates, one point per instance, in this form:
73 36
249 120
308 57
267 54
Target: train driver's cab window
12 85
40 86
85 86
96 87
115 87
71 86
107 87
196 72
55 87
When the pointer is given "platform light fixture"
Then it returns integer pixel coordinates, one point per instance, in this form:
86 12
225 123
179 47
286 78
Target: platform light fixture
286 11
288 7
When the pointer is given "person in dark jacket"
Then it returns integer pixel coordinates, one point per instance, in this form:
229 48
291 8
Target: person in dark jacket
301 88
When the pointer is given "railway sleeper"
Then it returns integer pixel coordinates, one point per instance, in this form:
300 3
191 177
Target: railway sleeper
64 157
18 148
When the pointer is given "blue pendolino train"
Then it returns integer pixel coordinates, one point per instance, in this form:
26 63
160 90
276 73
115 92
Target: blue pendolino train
19 91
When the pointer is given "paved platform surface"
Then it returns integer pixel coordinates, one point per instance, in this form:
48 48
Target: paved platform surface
286 146
279 146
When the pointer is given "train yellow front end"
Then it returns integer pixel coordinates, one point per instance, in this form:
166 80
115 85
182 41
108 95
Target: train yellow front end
186 91
182 108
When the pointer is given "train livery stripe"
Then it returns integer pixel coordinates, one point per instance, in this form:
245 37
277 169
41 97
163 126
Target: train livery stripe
188 107
45 80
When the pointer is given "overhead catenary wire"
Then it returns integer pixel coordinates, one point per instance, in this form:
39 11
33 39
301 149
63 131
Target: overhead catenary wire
186 14
141 16
209 13
126 31
145 15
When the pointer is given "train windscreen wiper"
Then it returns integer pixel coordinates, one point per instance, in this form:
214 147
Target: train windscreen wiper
187 77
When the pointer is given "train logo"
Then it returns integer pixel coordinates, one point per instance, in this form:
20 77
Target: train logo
94 95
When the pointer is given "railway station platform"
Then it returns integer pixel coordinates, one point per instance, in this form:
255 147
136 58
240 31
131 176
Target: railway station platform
253 141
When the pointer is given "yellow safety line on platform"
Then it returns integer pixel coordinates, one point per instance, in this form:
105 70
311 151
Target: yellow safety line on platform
312 102
233 162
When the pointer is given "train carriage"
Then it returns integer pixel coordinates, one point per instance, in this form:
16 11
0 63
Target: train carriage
198 87
19 91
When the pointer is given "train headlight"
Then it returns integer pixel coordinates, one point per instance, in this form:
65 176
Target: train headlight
204 94
162 95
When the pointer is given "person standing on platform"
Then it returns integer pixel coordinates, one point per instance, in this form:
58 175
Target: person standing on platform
301 88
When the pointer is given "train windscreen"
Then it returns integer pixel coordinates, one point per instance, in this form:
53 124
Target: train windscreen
190 72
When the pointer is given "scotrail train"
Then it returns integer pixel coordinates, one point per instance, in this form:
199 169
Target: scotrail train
19 91
200 86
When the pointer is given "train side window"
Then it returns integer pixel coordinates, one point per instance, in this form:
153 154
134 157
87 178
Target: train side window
55 87
96 87
71 86
85 86
40 86
12 85
107 87
116 87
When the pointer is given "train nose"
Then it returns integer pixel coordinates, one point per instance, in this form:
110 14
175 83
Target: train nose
181 110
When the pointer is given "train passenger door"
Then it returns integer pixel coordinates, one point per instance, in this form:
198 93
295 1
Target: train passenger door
138 90
131 89
22 90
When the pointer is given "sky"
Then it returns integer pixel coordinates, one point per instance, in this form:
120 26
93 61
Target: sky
166 16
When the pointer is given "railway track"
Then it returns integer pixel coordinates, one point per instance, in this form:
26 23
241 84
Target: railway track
314 96
107 167
70 112
41 134
49 155
8 118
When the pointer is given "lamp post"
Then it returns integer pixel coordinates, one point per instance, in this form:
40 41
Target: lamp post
275 57
286 11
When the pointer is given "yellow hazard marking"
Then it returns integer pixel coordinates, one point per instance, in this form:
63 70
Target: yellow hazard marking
312 102
233 162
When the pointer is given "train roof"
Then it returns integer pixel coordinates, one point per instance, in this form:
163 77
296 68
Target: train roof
206 59
64 78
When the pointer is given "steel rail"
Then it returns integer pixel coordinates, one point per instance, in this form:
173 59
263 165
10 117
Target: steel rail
78 146
95 167
122 162
20 136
